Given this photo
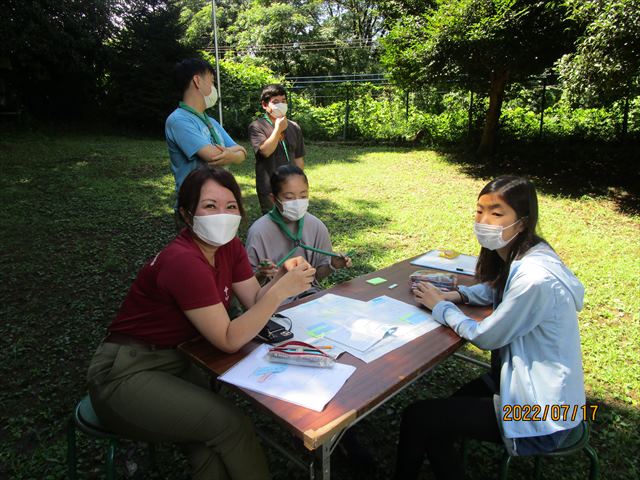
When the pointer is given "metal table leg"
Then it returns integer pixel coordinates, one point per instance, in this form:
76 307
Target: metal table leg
320 468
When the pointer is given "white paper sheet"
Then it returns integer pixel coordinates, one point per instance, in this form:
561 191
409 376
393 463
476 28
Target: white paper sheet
354 326
308 387
464 264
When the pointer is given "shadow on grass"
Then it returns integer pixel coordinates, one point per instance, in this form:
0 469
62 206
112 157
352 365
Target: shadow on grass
83 215
565 168
613 433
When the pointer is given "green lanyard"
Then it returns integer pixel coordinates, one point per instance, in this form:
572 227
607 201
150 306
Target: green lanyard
276 216
215 136
284 145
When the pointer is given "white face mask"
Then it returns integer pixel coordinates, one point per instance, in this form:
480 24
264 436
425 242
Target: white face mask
211 99
278 110
490 236
295 209
217 229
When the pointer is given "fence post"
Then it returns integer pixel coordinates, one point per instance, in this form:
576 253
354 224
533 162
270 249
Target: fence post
470 122
290 101
346 114
542 104
406 105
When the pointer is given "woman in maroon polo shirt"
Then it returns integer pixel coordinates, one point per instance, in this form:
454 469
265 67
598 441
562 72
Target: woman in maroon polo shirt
140 385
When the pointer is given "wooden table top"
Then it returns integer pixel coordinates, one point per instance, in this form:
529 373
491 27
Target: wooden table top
372 383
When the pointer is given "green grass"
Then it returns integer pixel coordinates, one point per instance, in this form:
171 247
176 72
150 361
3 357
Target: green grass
81 214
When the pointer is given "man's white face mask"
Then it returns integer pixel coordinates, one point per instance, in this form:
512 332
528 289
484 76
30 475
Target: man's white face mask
211 99
278 110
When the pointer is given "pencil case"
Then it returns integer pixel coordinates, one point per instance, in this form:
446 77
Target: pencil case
300 353
444 281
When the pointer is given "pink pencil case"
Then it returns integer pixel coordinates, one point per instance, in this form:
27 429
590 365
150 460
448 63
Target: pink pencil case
300 353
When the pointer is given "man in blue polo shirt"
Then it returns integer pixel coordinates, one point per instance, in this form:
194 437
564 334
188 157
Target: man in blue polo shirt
193 137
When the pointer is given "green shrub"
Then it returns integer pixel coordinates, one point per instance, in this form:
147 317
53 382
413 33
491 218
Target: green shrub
241 87
380 113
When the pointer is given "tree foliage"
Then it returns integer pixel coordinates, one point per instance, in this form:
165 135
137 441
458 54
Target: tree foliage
302 37
241 87
606 64
479 44
196 18
143 54
57 51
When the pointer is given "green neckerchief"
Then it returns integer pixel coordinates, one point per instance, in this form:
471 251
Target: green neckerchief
215 136
276 216
284 144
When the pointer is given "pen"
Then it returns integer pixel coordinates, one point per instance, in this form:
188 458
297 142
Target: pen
304 350
459 269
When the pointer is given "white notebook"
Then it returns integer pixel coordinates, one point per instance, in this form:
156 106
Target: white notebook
464 264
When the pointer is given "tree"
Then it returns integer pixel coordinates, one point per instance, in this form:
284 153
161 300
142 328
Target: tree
605 67
143 55
196 18
478 44
296 38
57 52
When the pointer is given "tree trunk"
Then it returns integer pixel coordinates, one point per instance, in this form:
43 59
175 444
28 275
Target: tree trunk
499 80
625 119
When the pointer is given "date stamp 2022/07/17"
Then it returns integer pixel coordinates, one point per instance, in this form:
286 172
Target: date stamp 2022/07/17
541 413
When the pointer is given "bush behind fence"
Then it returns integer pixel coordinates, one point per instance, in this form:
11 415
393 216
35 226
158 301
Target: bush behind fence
386 113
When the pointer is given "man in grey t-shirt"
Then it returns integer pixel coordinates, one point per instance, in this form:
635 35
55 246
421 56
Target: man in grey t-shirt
276 141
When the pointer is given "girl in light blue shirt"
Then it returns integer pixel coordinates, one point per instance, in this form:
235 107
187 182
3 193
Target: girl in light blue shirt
534 399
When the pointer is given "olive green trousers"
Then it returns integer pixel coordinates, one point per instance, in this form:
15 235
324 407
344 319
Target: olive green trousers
159 395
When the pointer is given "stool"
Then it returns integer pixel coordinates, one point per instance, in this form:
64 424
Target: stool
86 420
582 443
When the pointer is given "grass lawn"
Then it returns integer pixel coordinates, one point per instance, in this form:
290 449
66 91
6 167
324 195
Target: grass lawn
81 214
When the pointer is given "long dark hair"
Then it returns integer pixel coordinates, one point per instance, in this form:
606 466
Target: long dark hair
520 194
189 194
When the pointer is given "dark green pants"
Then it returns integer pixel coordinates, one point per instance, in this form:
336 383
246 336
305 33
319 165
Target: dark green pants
160 396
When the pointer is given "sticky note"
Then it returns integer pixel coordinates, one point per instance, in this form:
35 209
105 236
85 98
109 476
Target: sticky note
376 280
450 254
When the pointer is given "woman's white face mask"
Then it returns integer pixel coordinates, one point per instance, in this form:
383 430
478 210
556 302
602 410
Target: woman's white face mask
218 229
490 236
294 209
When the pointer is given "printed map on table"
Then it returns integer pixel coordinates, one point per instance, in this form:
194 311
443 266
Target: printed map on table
358 327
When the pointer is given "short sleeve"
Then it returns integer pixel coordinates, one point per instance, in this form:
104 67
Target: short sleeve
252 247
300 150
189 280
257 135
226 138
242 269
323 242
187 134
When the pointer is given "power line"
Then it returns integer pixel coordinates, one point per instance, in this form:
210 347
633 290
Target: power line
316 46
314 43
302 82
